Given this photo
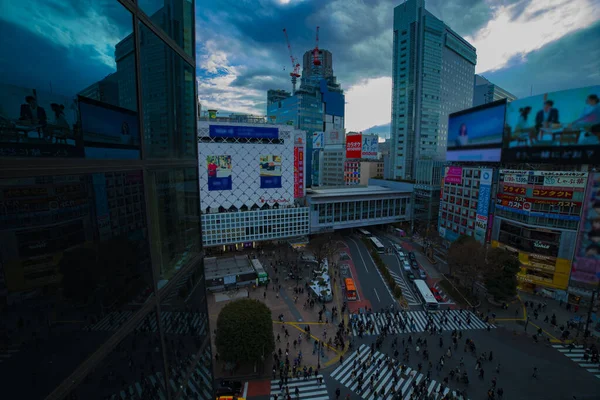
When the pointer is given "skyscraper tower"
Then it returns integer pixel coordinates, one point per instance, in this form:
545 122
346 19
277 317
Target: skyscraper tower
432 75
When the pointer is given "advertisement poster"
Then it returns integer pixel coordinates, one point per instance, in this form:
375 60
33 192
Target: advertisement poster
219 172
476 134
370 146
481 218
453 175
109 131
334 137
353 146
35 123
317 140
552 127
586 264
270 171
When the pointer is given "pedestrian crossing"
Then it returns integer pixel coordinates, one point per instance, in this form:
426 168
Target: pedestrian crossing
406 290
576 355
197 386
313 388
383 384
175 322
417 321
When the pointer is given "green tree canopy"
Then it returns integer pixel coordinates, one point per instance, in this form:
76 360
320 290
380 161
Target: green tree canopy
245 331
466 260
501 276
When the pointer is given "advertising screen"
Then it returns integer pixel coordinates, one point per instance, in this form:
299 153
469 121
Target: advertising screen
476 134
485 193
243 132
370 146
453 175
353 146
219 172
109 131
586 263
554 127
270 171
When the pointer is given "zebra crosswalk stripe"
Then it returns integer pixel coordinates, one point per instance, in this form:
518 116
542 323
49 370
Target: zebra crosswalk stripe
404 385
406 292
576 355
307 388
416 321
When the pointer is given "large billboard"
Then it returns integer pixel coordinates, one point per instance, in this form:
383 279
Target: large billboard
270 171
476 134
370 146
453 175
586 263
547 194
334 137
299 165
353 146
483 205
219 172
317 140
559 127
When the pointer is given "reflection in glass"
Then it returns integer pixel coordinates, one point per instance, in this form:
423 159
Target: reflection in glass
67 94
168 100
175 18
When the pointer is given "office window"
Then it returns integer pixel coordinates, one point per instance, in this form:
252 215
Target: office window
174 17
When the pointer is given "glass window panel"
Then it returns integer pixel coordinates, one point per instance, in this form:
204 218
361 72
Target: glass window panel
169 111
64 93
175 18
174 211
75 267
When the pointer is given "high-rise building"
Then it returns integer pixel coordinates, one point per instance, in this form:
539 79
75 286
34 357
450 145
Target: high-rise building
276 95
101 264
485 92
432 74
317 106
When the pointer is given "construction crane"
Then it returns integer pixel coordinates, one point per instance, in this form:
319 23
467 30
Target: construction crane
316 60
295 64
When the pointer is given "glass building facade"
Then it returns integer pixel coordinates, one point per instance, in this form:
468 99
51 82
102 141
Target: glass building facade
101 278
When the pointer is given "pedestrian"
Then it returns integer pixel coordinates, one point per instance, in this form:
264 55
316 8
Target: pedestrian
498 368
491 355
337 393
535 373
500 392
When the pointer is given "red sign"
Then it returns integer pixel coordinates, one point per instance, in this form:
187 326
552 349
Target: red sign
557 194
353 146
298 171
514 189
525 202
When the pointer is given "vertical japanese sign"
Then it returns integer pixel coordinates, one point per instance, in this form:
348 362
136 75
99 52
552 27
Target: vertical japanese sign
298 168
370 146
483 204
353 146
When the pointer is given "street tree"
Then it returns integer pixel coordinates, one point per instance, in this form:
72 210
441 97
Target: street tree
501 274
322 247
245 332
466 260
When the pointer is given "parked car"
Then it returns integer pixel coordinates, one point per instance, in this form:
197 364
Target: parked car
422 274
411 255
414 264
436 294
410 275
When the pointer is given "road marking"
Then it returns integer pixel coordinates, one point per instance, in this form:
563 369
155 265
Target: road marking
245 390
360 254
376 294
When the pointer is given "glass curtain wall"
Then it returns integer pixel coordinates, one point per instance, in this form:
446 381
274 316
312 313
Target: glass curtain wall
102 290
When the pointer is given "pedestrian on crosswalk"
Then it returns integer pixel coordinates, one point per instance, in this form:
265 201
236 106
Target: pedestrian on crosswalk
535 373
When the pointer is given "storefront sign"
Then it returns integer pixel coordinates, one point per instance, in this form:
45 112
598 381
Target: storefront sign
516 178
514 189
453 175
540 245
560 181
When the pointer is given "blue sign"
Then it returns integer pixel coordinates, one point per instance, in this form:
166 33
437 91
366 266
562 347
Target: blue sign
270 182
483 203
243 132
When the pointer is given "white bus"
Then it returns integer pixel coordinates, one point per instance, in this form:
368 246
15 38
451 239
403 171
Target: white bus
429 301
378 246
364 232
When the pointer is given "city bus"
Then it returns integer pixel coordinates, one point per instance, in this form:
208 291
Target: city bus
364 232
378 246
429 301
350 289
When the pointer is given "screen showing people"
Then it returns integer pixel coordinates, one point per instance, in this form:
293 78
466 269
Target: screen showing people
270 171
554 126
219 172
476 134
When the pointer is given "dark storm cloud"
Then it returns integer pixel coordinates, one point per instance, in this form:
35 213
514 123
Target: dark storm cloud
550 69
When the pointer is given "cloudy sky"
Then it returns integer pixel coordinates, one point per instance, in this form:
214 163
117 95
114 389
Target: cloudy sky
524 46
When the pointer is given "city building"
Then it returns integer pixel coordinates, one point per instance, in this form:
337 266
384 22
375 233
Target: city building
427 190
537 215
317 106
358 172
465 208
251 184
101 255
352 207
432 75
485 92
